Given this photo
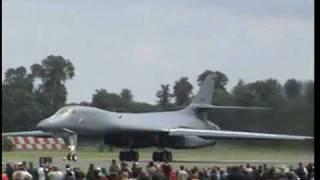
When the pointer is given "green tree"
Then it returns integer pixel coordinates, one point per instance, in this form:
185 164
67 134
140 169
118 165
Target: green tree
19 108
164 96
19 79
243 94
126 95
109 101
267 92
182 91
292 88
53 71
309 92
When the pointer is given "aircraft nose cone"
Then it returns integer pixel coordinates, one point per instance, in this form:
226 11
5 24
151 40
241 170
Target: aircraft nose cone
40 125
43 124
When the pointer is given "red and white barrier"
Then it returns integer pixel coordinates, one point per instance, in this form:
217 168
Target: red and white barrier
35 143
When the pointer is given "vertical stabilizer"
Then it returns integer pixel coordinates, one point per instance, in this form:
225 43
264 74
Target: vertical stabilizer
204 95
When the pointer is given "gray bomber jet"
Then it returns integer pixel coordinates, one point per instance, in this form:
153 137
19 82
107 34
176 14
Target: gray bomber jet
186 128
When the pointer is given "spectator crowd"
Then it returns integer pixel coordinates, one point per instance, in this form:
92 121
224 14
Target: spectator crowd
156 171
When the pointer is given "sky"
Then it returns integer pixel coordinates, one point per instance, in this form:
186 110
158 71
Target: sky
142 44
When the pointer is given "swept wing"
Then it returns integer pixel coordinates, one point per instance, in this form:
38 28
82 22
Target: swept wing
28 133
222 134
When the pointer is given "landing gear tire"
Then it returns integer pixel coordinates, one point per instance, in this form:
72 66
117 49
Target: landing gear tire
135 155
74 157
156 156
72 139
122 156
69 157
168 155
130 155
162 156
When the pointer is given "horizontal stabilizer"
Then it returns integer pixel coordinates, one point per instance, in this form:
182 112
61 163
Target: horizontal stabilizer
208 106
221 134
27 133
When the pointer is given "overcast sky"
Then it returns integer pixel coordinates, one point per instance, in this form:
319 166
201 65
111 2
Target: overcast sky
142 44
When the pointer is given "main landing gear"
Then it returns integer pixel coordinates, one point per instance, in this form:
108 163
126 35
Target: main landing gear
161 156
158 156
129 155
72 155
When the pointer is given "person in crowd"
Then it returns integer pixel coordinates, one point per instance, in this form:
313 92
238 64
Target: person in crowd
41 172
90 174
151 169
158 172
310 169
114 169
124 176
291 175
248 168
223 175
9 170
215 174
194 173
99 174
135 170
255 174
32 171
69 173
4 175
159 175
235 173
21 173
55 174
104 172
79 175
166 168
125 168
182 174
143 175
302 172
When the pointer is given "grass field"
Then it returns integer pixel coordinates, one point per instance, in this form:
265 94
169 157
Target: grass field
222 151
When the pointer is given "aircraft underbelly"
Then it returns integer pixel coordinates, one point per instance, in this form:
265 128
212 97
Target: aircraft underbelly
146 128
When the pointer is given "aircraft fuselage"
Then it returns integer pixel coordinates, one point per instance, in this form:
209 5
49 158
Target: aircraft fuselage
117 127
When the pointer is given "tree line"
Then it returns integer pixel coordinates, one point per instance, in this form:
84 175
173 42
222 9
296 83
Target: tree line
32 95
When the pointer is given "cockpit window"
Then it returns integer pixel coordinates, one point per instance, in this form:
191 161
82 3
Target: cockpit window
65 111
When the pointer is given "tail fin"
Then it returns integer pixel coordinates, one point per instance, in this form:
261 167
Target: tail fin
203 99
205 93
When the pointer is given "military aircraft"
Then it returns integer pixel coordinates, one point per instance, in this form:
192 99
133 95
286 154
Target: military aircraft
185 128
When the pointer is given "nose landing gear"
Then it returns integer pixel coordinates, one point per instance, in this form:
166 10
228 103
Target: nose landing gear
72 155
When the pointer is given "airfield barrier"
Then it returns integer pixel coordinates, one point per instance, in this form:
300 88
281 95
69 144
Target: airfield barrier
36 143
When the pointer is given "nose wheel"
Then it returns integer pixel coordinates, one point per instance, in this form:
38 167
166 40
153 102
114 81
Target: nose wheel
72 155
